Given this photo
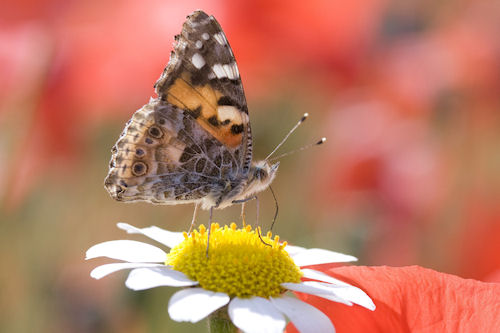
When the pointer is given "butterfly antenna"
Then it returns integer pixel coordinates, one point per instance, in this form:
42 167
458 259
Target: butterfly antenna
321 141
304 117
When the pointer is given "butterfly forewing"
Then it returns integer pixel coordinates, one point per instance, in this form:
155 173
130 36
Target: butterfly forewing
204 79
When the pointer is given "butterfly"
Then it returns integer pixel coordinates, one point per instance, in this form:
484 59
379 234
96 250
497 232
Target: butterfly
193 143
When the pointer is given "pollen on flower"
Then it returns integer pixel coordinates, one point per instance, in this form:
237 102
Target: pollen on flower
238 264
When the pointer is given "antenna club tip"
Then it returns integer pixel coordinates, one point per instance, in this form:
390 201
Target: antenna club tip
321 141
304 117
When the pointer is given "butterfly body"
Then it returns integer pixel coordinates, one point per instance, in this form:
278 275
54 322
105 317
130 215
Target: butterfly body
192 144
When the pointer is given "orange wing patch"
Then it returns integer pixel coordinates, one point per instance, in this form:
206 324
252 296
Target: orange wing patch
226 123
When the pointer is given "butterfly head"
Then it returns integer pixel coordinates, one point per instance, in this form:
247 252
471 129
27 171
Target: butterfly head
261 175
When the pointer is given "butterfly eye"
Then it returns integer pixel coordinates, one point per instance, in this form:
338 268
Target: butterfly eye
139 169
155 132
260 173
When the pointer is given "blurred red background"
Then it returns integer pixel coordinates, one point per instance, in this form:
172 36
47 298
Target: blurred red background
408 95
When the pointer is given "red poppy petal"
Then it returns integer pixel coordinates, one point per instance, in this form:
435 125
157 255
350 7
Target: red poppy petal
412 299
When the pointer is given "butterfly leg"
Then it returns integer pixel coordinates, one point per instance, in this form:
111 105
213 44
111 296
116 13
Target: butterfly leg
194 218
257 211
277 208
257 221
243 213
209 228
242 202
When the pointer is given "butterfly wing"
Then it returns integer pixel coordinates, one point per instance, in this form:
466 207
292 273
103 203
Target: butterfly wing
188 143
203 78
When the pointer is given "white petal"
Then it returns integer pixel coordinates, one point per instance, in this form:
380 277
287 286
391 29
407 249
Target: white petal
165 237
305 317
293 249
103 270
145 278
255 314
314 288
127 250
318 256
348 292
194 304
317 275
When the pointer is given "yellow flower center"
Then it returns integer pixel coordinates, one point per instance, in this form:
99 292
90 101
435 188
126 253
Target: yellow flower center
238 263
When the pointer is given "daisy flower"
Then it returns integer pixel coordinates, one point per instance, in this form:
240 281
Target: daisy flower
241 273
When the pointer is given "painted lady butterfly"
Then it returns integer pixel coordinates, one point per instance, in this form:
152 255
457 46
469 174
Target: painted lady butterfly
192 144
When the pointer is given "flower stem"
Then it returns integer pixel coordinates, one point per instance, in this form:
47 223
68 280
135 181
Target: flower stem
219 322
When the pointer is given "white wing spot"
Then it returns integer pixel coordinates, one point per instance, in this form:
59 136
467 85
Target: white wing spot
198 60
229 112
232 71
227 70
220 38
198 44
205 36
219 71
245 118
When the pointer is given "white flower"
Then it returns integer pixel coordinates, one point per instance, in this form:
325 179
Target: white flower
241 272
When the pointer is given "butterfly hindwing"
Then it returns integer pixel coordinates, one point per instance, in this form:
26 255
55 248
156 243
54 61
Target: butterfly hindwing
165 156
